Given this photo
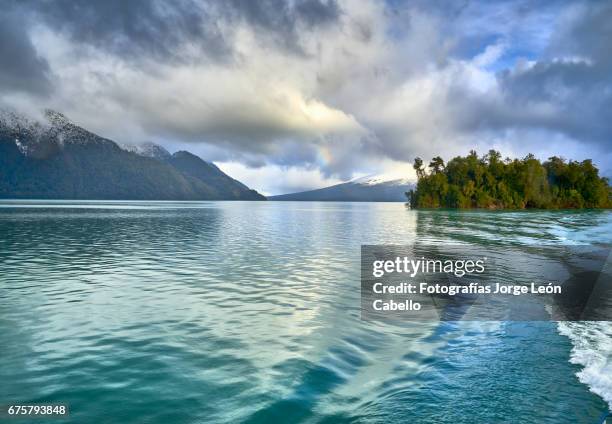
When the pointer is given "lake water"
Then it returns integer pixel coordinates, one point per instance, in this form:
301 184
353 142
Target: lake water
193 312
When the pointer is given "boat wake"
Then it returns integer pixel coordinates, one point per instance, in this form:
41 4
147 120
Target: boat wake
592 349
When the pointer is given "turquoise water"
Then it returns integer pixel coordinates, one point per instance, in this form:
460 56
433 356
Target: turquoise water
193 312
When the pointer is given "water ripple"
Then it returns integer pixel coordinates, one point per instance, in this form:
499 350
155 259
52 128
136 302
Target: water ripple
194 312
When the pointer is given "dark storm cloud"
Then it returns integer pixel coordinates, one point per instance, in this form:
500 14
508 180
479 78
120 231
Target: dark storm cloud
299 82
135 28
282 21
564 88
160 30
589 34
575 91
575 78
316 12
283 17
21 68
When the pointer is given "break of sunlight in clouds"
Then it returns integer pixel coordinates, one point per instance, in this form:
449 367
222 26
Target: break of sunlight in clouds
281 180
294 95
278 179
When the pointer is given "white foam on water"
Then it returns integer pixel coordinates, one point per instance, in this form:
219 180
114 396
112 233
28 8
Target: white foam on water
592 349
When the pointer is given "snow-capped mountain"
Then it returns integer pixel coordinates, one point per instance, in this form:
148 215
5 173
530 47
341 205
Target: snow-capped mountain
147 149
371 188
52 157
387 179
40 138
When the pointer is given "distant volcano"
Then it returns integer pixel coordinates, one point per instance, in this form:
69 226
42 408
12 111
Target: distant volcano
373 188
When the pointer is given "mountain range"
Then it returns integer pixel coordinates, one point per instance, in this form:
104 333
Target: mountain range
54 158
378 188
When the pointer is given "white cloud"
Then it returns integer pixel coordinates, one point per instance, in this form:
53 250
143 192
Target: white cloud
371 90
275 179
490 55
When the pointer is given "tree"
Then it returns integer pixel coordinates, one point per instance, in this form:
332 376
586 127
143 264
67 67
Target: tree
418 167
436 164
493 157
489 182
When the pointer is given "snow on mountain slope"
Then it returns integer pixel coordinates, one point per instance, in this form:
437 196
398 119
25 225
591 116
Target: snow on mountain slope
389 179
147 149
39 135
51 157
371 188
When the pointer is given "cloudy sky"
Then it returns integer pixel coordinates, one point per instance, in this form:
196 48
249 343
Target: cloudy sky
298 94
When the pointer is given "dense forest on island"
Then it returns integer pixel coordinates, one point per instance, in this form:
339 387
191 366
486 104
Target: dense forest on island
495 183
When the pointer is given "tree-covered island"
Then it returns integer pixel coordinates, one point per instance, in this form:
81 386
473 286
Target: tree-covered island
494 183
